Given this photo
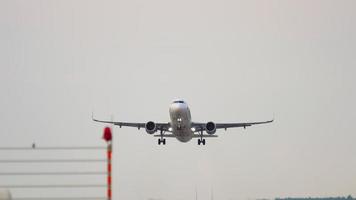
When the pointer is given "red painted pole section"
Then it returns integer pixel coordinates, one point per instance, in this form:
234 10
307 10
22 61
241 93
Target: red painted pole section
108 138
109 153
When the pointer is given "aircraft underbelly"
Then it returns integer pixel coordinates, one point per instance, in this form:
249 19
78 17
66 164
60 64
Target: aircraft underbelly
183 135
181 124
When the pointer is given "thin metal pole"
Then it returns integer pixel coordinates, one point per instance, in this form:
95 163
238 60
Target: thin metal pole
52 161
60 198
51 173
54 148
54 186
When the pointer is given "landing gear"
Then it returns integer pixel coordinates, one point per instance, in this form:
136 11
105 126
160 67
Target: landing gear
201 141
163 141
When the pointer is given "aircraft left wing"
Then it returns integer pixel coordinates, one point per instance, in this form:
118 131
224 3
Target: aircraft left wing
235 125
202 126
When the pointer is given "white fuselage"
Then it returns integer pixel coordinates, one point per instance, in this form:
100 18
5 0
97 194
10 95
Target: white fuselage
181 121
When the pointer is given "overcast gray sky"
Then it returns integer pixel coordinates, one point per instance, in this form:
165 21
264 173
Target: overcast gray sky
232 61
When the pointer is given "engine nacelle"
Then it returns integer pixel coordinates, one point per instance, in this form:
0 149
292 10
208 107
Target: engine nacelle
210 128
150 127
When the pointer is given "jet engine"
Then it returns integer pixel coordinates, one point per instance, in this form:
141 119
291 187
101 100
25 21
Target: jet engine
210 128
150 127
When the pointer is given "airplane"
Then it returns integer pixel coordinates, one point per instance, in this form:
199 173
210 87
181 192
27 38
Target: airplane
181 125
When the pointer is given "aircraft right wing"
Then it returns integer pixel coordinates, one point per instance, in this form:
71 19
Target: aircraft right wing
160 126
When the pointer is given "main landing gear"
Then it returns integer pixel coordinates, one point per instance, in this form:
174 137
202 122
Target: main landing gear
163 141
201 141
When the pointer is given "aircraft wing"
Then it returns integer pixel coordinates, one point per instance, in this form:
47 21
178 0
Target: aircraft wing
160 126
201 126
235 125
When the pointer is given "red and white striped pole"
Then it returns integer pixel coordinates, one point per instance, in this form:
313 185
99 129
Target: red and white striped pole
108 138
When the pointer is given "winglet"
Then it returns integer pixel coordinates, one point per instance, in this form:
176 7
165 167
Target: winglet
92 116
273 117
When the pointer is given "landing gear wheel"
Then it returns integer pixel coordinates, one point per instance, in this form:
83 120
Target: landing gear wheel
201 141
163 141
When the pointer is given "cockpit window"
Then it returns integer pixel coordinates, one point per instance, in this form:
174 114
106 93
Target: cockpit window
178 101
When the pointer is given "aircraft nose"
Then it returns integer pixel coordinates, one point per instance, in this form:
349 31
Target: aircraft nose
178 107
